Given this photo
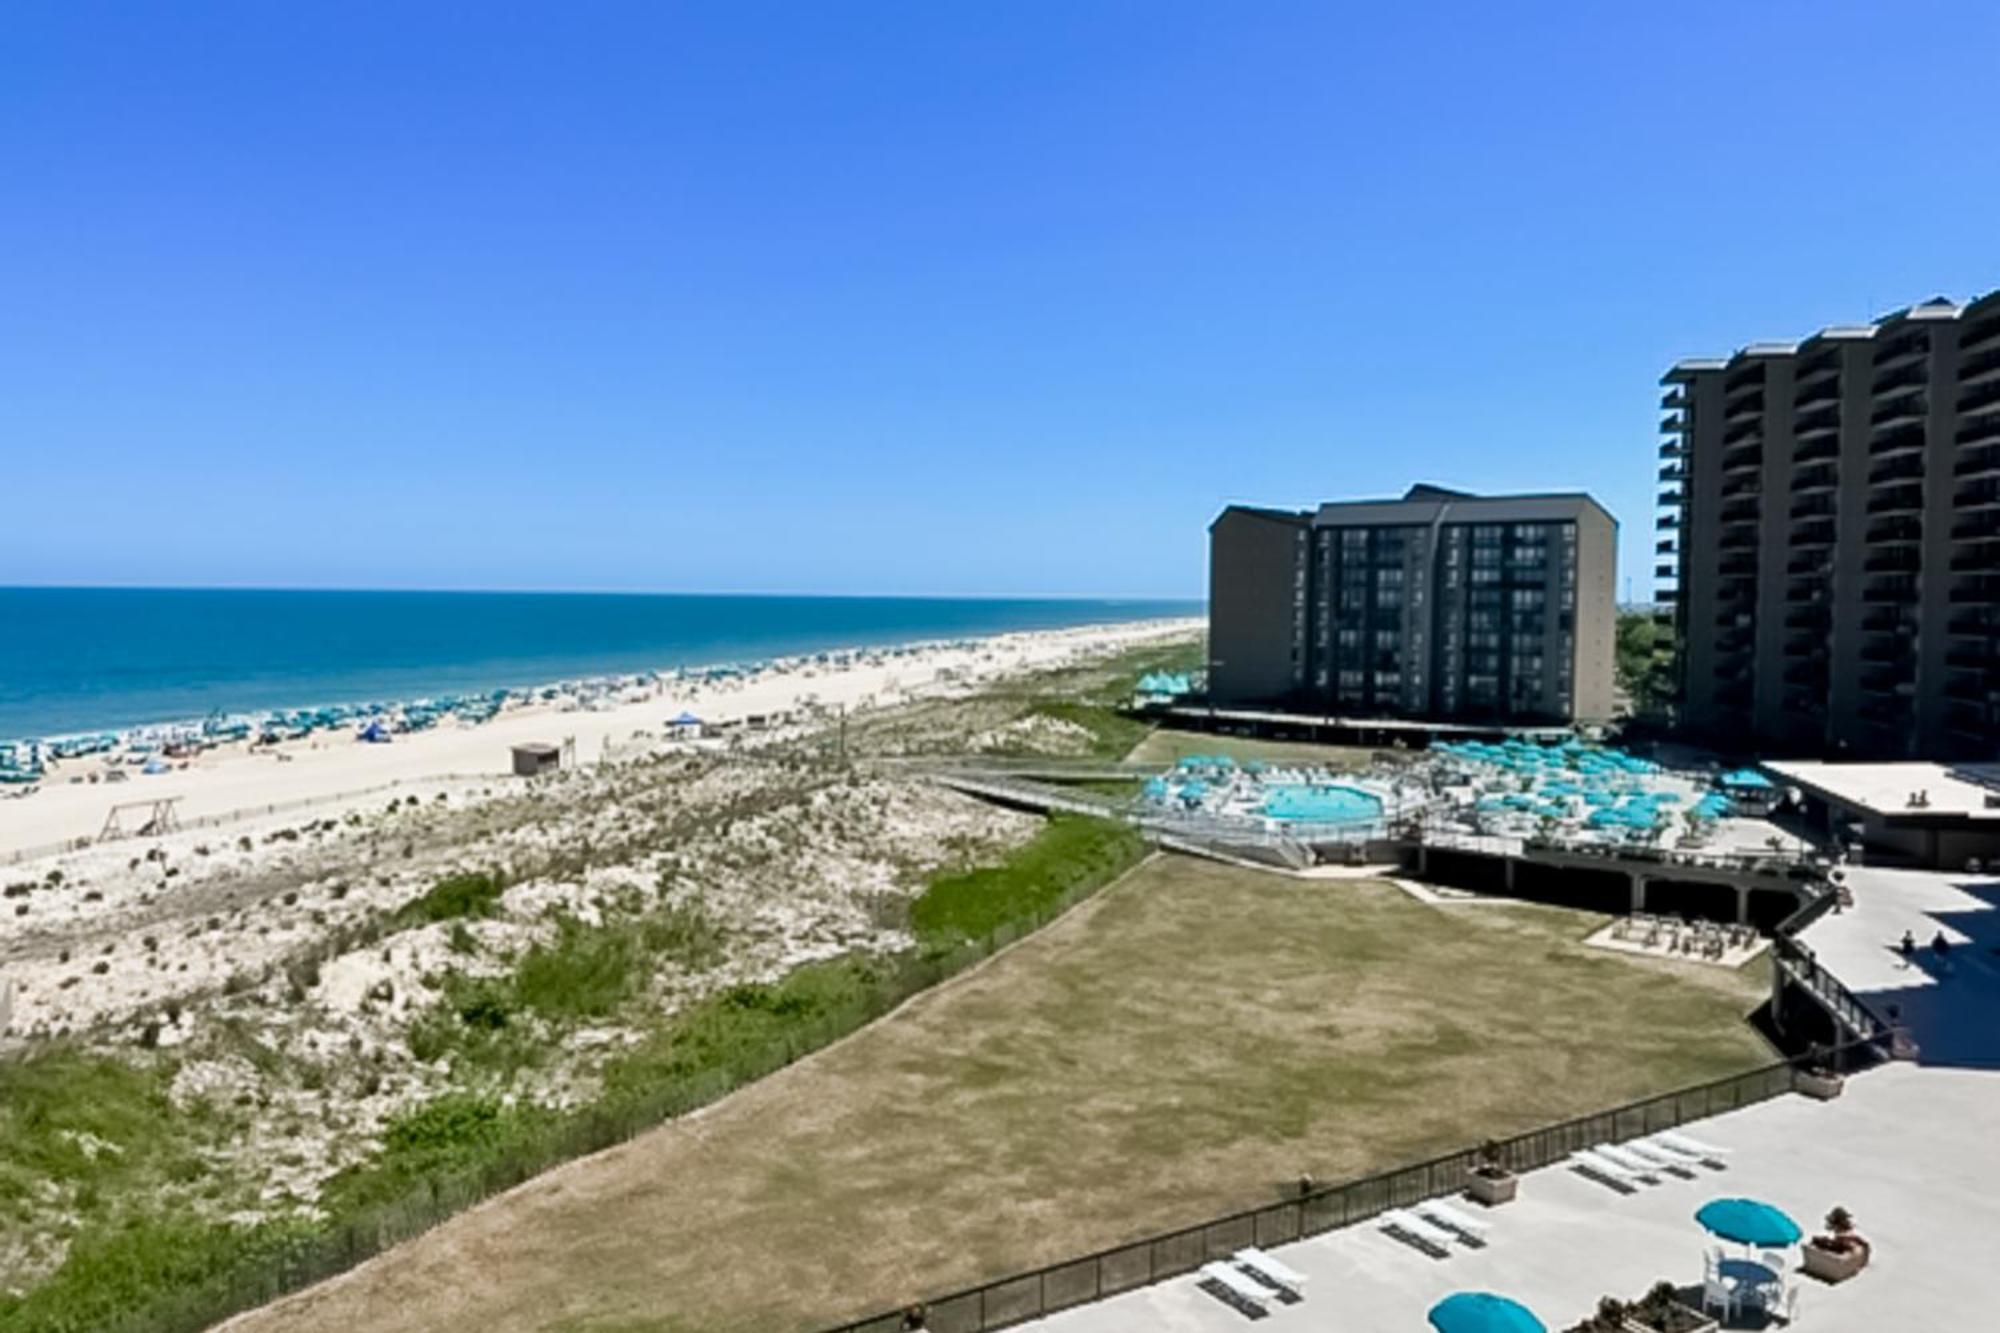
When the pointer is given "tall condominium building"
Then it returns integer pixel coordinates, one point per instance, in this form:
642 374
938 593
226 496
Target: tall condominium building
1440 606
1831 531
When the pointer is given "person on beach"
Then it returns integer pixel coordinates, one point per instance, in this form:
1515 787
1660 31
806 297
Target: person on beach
1908 948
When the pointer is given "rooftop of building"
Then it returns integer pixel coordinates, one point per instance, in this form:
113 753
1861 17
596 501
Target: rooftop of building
1948 791
1425 503
1936 308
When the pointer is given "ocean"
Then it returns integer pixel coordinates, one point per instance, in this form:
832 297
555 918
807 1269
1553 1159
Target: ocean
99 659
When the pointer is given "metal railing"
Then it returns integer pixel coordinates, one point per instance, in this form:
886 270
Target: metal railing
1045 1291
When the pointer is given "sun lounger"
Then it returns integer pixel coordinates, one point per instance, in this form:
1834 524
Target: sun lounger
1695 1148
1272 1272
1455 1219
1662 1156
1631 1161
1603 1168
1410 1228
1238 1289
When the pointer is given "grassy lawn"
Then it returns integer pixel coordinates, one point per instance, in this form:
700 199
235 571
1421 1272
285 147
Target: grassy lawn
1164 747
1184 1044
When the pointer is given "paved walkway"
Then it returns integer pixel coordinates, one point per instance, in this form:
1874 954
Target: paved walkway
1950 1006
1909 1150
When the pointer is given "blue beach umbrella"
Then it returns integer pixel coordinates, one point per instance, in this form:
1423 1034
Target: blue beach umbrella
1748 1222
1483 1312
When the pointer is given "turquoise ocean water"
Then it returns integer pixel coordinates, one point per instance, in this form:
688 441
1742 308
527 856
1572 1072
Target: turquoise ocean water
91 659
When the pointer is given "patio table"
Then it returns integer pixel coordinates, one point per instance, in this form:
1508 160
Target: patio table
1745 1276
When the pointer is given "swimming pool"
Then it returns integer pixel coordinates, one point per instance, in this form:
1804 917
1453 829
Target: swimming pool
1321 804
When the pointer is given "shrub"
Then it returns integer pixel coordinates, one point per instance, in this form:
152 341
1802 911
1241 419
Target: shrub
1069 853
455 896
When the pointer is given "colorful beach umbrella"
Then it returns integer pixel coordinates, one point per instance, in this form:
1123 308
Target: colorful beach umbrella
1483 1312
1748 1222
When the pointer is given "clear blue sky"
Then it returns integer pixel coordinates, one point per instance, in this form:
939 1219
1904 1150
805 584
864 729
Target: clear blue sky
930 297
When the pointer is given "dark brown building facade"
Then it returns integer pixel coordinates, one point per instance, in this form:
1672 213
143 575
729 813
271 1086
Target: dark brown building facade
1830 539
1438 606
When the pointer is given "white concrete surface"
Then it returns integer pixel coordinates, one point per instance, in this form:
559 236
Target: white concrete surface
1909 1150
1951 1005
1957 789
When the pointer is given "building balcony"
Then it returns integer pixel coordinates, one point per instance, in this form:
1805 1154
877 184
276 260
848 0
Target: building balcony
1910 467
1979 368
1979 397
1903 499
1665 521
1750 432
1817 532
1737 566
1977 590
1738 539
1902 379
1671 499
1977 623
1977 497
1976 336
1889 590
1672 449
1894 618
1979 430
1666 571
1893 560
1809 562
1673 398
1817 478
1824 449
1904 409
1889 443
1747 408
1666 547
1887 531
1823 422
1673 472
1902 349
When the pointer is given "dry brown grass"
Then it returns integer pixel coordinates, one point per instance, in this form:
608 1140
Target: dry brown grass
1181 1046
1164 747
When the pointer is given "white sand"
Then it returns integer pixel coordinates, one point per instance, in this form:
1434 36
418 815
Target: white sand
237 778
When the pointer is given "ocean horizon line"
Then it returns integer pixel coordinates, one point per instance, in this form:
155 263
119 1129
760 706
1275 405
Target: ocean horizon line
91 660
1114 599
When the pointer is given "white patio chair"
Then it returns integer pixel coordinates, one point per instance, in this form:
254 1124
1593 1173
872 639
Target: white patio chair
1450 1218
1414 1230
1693 1147
1270 1270
1604 1169
1238 1289
1715 1293
1631 1161
1792 1299
1664 1158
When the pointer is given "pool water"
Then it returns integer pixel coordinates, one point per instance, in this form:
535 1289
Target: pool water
1321 804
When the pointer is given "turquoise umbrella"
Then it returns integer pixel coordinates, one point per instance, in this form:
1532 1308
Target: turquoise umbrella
1748 1222
1483 1312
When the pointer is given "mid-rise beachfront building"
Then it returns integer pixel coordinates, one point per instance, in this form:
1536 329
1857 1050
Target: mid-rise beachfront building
1830 538
1440 606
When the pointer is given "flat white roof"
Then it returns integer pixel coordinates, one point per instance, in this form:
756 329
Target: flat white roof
1955 790
1908 1150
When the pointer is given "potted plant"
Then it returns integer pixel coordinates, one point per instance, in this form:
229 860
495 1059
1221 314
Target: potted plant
1491 1182
1817 1078
1661 1310
1840 1253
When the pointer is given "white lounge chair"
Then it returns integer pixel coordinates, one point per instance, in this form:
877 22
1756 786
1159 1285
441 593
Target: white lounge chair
1409 1227
1239 1289
1271 1271
1603 1168
1706 1152
1631 1161
1663 1157
1454 1219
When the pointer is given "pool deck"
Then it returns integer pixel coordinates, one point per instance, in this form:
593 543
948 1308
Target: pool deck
1909 1150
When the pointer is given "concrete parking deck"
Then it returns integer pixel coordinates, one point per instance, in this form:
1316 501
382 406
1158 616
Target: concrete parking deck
1908 1149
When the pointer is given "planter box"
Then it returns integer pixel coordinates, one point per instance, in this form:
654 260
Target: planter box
1835 1265
1825 1087
1707 1325
1492 1190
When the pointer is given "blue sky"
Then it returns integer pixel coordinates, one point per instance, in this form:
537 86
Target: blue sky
911 298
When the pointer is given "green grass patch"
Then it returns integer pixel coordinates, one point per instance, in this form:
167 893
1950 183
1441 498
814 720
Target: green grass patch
1069 853
173 1270
453 897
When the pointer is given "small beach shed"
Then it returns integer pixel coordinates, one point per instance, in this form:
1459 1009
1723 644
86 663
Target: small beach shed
535 757
686 727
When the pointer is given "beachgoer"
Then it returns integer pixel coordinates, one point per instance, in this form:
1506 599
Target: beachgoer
1908 948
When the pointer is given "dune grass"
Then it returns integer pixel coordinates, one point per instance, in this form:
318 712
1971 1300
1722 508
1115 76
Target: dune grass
1184 1045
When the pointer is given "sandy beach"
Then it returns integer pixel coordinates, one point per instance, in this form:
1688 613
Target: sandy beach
238 777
